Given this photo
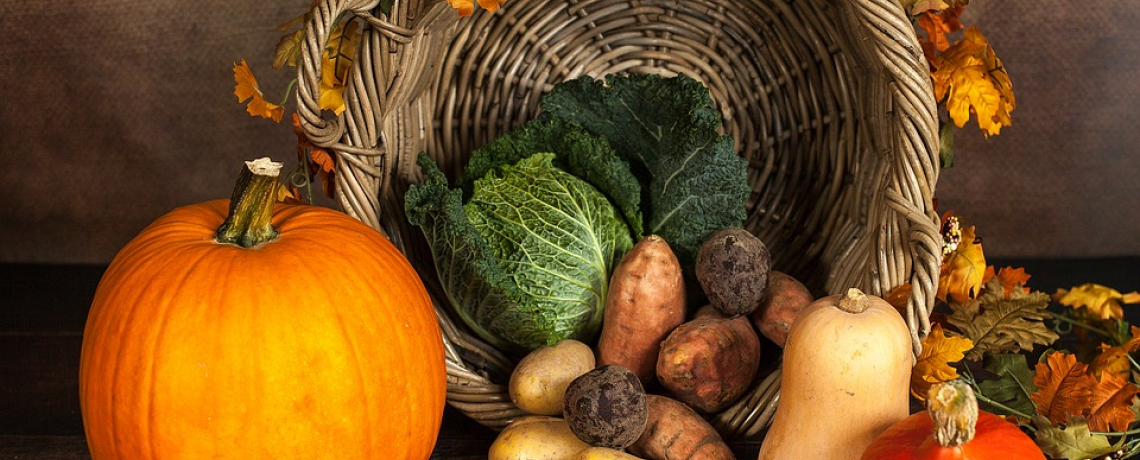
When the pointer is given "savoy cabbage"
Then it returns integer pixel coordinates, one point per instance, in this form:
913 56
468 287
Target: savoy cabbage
526 261
526 243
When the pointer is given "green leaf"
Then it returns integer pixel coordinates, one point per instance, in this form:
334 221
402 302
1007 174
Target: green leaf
1013 385
1073 442
526 261
586 156
1005 325
470 275
386 6
668 129
946 144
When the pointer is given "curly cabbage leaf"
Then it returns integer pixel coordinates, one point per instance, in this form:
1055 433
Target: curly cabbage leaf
526 261
667 128
586 156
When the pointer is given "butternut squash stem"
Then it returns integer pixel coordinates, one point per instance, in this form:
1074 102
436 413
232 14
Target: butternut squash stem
251 207
853 301
953 411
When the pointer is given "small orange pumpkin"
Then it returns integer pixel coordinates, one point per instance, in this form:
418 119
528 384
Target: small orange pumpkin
310 336
952 428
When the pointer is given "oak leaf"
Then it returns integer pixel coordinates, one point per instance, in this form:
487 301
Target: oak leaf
971 79
1074 441
1110 405
998 323
1102 301
962 270
1013 386
246 88
933 364
1064 388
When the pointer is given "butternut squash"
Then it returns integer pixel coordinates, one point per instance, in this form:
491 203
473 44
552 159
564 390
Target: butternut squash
845 380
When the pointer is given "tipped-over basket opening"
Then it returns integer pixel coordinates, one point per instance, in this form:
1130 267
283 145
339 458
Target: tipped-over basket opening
828 101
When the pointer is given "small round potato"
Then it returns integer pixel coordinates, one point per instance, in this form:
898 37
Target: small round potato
536 437
538 384
604 453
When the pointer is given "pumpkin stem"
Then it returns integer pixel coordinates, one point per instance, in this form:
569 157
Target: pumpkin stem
854 302
953 411
251 207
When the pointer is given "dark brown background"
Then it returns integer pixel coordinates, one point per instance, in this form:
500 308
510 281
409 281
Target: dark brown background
112 112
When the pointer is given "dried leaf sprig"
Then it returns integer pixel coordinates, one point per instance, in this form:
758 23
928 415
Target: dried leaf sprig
969 79
336 64
1079 399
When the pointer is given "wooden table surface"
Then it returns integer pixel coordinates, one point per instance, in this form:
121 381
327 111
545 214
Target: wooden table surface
43 309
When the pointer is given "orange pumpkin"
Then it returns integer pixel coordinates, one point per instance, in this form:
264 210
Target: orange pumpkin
952 428
317 341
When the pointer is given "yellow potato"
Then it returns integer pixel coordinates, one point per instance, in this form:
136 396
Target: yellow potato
603 453
538 384
536 438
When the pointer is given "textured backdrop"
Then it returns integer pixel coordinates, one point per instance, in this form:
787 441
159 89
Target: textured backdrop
113 112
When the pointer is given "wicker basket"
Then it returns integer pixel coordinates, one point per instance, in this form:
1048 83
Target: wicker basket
828 100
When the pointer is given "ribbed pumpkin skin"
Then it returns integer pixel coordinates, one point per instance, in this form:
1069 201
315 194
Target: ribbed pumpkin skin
320 344
911 439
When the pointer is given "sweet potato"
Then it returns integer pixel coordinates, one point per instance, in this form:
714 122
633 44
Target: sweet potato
786 297
676 432
732 268
709 361
646 301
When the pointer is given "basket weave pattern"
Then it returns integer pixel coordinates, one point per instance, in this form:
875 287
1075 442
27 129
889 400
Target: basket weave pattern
828 100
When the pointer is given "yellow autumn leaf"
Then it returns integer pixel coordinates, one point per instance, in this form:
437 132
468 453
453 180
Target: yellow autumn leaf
971 79
288 49
933 364
332 88
921 6
1114 359
1101 301
963 270
247 89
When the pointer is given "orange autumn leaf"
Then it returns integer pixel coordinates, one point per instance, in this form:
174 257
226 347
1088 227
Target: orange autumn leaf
972 80
321 163
1009 277
933 364
963 270
1114 359
938 24
466 7
1101 301
898 297
247 89
1064 388
1111 404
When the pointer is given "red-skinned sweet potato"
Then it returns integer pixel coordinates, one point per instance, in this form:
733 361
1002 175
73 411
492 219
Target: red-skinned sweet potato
646 301
786 297
710 361
675 431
